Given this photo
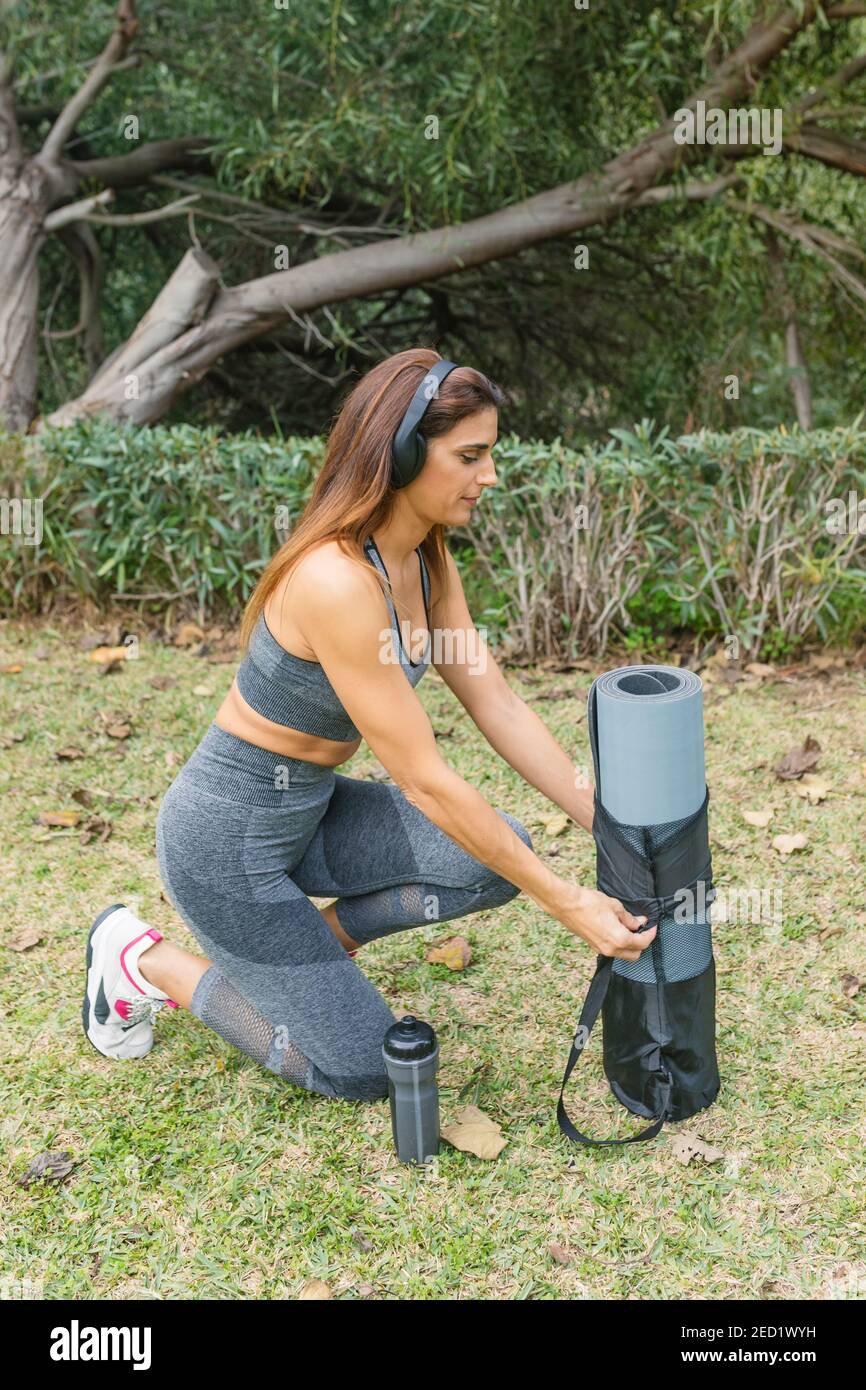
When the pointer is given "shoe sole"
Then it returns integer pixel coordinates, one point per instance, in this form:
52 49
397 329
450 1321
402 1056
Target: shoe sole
85 1007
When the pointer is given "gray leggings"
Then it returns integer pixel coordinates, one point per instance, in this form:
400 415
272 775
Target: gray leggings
243 836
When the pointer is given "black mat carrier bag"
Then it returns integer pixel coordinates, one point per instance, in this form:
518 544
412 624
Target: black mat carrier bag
652 853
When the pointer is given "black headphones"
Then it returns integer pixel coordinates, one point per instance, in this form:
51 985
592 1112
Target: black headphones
409 448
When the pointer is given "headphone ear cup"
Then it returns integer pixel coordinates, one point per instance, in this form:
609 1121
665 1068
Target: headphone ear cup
404 473
420 453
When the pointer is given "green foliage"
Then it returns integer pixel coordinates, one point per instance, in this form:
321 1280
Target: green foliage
326 109
178 512
715 533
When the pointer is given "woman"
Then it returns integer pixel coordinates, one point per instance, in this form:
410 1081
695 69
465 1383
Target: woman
257 819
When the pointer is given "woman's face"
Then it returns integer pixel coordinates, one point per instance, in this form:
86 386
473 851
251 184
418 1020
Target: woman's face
457 469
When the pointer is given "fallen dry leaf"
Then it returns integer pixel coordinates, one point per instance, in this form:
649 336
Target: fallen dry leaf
689 1146
761 819
829 931
556 824
475 1133
786 844
12 669
162 682
456 953
559 1253
799 760
95 828
118 730
103 654
851 986
53 1167
187 634
760 668
813 788
315 1289
201 690
823 661
64 818
30 936
69 753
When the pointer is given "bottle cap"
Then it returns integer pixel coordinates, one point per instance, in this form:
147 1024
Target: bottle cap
410 1039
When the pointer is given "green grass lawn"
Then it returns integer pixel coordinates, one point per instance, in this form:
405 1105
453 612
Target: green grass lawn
199 1175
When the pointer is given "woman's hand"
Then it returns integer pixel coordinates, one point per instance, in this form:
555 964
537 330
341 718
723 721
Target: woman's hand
605 924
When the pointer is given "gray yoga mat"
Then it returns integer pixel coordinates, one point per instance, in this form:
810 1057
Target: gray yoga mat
650 722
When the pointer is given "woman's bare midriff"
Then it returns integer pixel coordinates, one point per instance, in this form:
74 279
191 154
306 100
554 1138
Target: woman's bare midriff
235 717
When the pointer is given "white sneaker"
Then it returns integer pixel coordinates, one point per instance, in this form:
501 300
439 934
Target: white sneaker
119 1003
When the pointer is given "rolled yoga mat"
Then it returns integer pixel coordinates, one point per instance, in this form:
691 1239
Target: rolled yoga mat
652 852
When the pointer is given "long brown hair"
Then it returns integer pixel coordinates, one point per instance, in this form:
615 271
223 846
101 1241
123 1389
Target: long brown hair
353 495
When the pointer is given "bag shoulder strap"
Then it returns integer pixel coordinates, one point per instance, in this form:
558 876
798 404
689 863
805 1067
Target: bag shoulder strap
588 1015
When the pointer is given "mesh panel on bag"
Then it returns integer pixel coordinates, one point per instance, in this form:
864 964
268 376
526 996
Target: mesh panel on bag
686 947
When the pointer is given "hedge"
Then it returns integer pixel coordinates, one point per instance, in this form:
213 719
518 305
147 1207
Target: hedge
636 541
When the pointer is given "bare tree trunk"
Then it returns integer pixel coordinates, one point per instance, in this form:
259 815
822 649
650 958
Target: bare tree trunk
800 384
801 388
32 186
20 239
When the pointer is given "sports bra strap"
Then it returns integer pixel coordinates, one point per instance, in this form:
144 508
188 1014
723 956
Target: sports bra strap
373 550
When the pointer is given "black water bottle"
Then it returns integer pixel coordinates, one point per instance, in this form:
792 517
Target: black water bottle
411 1055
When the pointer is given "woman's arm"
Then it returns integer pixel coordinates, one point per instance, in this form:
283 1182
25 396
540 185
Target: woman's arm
346 622
526 743
506 721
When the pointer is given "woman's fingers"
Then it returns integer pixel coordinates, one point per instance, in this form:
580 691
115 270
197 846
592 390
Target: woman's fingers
627 918
624 944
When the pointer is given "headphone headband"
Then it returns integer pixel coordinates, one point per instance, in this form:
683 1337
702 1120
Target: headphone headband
409 448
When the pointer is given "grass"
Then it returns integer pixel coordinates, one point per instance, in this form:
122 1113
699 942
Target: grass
199 1175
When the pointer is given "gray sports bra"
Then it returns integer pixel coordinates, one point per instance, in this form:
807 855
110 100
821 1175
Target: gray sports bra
295 692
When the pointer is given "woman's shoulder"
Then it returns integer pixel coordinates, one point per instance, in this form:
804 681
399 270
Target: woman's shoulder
326 571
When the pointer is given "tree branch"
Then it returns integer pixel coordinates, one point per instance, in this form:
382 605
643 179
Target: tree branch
814 239
11 149
138 166
85 251
77 212
829 147
122 219
113 53
693 192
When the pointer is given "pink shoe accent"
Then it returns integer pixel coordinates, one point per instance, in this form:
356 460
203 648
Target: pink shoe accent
352 953
156 936
123 1007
